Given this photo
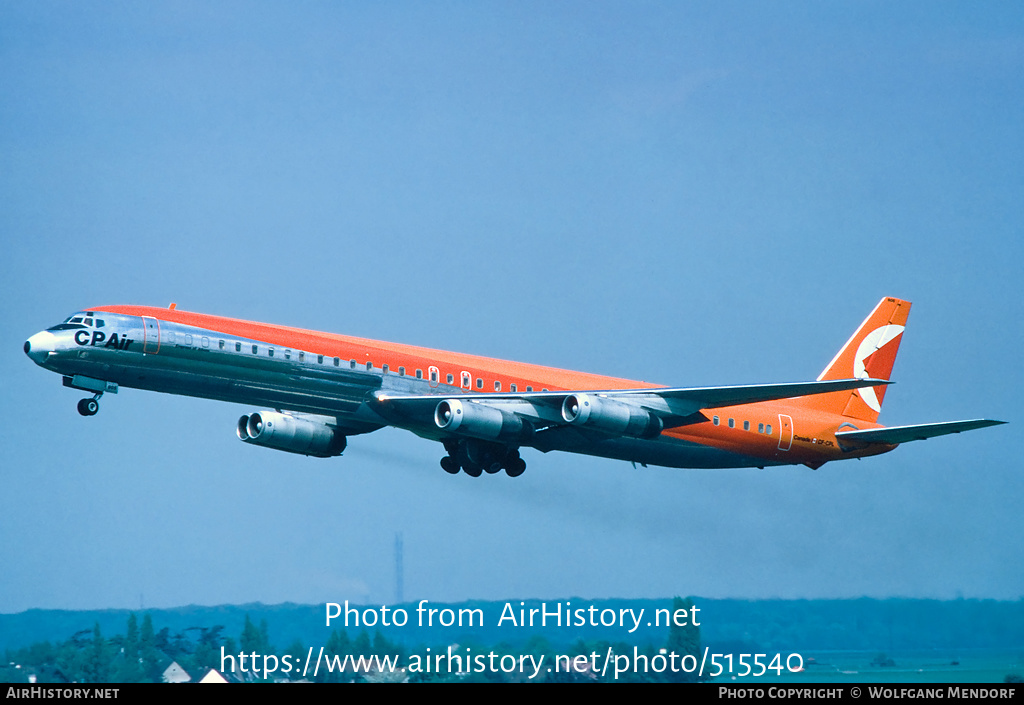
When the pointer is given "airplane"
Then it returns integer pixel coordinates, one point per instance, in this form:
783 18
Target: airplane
322 388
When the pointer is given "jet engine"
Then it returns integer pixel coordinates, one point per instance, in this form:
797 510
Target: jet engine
611 416
291 433
480 421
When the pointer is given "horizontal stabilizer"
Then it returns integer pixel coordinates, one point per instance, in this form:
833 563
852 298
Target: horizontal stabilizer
918 432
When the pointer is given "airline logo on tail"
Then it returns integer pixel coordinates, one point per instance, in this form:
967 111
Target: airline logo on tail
874 360
868 354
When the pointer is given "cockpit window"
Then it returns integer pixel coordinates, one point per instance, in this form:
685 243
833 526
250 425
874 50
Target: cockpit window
80 320
75 321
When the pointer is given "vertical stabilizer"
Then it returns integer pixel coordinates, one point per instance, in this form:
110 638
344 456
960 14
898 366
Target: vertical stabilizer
869 353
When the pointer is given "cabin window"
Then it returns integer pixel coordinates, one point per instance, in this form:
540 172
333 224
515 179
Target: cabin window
479 383
271 352
337 362
732 423
385 368
451 378
760 428
746 425
768 429
497 386
238 347
433 375
255 350
544 390
352 364
467 380
714 420
222 345
302 356
512 388
529 388
401 372
188 340
419 374
320 359
287 354
369 366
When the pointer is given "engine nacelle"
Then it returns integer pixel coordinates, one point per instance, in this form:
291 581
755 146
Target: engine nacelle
291 433
480 421
611 416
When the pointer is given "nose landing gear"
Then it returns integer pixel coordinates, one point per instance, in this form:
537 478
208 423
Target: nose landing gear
89 407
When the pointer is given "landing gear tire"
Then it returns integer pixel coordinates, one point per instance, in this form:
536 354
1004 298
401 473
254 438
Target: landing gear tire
475 457
516 468
88 407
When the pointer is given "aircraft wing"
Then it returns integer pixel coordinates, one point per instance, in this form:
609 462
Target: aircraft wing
683 401
917 432
674 406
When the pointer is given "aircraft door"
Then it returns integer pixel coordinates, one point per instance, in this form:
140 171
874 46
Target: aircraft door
152 328
785 432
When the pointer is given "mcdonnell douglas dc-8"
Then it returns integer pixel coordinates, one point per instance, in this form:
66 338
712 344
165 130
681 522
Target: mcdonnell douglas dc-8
322 388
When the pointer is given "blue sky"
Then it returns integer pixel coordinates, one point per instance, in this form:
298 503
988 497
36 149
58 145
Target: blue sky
688 194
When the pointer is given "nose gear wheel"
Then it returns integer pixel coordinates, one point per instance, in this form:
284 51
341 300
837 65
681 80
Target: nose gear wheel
88 407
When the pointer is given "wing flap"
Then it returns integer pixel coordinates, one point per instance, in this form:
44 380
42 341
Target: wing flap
894 435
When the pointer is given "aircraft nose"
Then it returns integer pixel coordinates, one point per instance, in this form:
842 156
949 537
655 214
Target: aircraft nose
39 346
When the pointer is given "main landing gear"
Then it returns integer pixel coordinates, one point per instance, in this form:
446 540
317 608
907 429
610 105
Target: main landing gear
89 406
477 457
